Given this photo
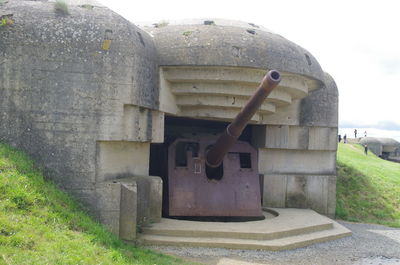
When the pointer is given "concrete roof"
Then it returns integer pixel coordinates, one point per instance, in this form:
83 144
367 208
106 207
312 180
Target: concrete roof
369 140
383 141
389 142
215 42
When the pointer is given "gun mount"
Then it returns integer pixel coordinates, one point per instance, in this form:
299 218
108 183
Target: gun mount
218 178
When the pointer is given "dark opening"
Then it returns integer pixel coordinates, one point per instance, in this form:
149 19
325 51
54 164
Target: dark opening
385 155
215 173
275 75
209 22
245 160
181 152
253 25
308 58
251 31
224 219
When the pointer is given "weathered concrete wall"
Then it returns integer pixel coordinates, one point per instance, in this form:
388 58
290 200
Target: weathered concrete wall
299 160
79 92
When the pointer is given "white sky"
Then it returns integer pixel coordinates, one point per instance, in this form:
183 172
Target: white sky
357 42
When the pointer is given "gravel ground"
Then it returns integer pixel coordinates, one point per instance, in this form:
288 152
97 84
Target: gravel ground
369 245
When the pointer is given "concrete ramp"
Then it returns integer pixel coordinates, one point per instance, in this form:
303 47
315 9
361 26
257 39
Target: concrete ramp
281 230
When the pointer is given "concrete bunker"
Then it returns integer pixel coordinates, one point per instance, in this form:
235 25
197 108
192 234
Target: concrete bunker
386 148
97 116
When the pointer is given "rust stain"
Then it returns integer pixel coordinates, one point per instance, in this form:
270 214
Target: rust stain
106 45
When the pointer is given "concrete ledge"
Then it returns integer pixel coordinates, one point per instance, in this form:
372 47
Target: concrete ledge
201 92
295 137
293 228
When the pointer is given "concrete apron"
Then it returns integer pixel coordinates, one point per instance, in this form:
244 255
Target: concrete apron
281 230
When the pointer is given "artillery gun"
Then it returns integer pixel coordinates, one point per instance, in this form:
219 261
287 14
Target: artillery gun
218 178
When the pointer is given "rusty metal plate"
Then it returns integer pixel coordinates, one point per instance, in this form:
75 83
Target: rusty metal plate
192 193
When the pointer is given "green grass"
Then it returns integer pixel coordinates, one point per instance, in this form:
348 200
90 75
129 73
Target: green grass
39 224
368 188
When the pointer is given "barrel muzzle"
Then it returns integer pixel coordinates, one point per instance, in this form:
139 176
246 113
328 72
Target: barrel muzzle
225 141
271 80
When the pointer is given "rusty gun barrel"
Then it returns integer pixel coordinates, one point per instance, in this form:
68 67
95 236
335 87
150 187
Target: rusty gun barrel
216 154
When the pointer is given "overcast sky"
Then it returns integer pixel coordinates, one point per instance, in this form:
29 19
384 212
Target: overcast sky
357 42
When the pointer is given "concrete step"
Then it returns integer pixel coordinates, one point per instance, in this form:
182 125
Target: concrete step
282 229
238 234
288 222
284 243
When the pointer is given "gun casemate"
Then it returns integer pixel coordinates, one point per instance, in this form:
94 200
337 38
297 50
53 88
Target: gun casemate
218 178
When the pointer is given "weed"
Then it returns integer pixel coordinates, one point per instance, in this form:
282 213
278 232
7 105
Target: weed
5 21
61 7
86 6
187 33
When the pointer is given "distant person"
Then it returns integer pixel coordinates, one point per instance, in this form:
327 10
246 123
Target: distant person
340 138
365 134
355 133
366 149
345 138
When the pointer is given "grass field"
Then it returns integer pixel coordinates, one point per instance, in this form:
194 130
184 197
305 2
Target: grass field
39 224
368 188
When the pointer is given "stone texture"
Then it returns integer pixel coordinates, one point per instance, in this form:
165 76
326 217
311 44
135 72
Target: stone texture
322 138
289 115
286 137
320 108
116 159
317 193
295 137
282 161
108 196
275 191
128 211
331 208
149 198
111 220
296 196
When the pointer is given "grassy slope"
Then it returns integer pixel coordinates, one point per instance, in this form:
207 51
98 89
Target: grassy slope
41 225
368 188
